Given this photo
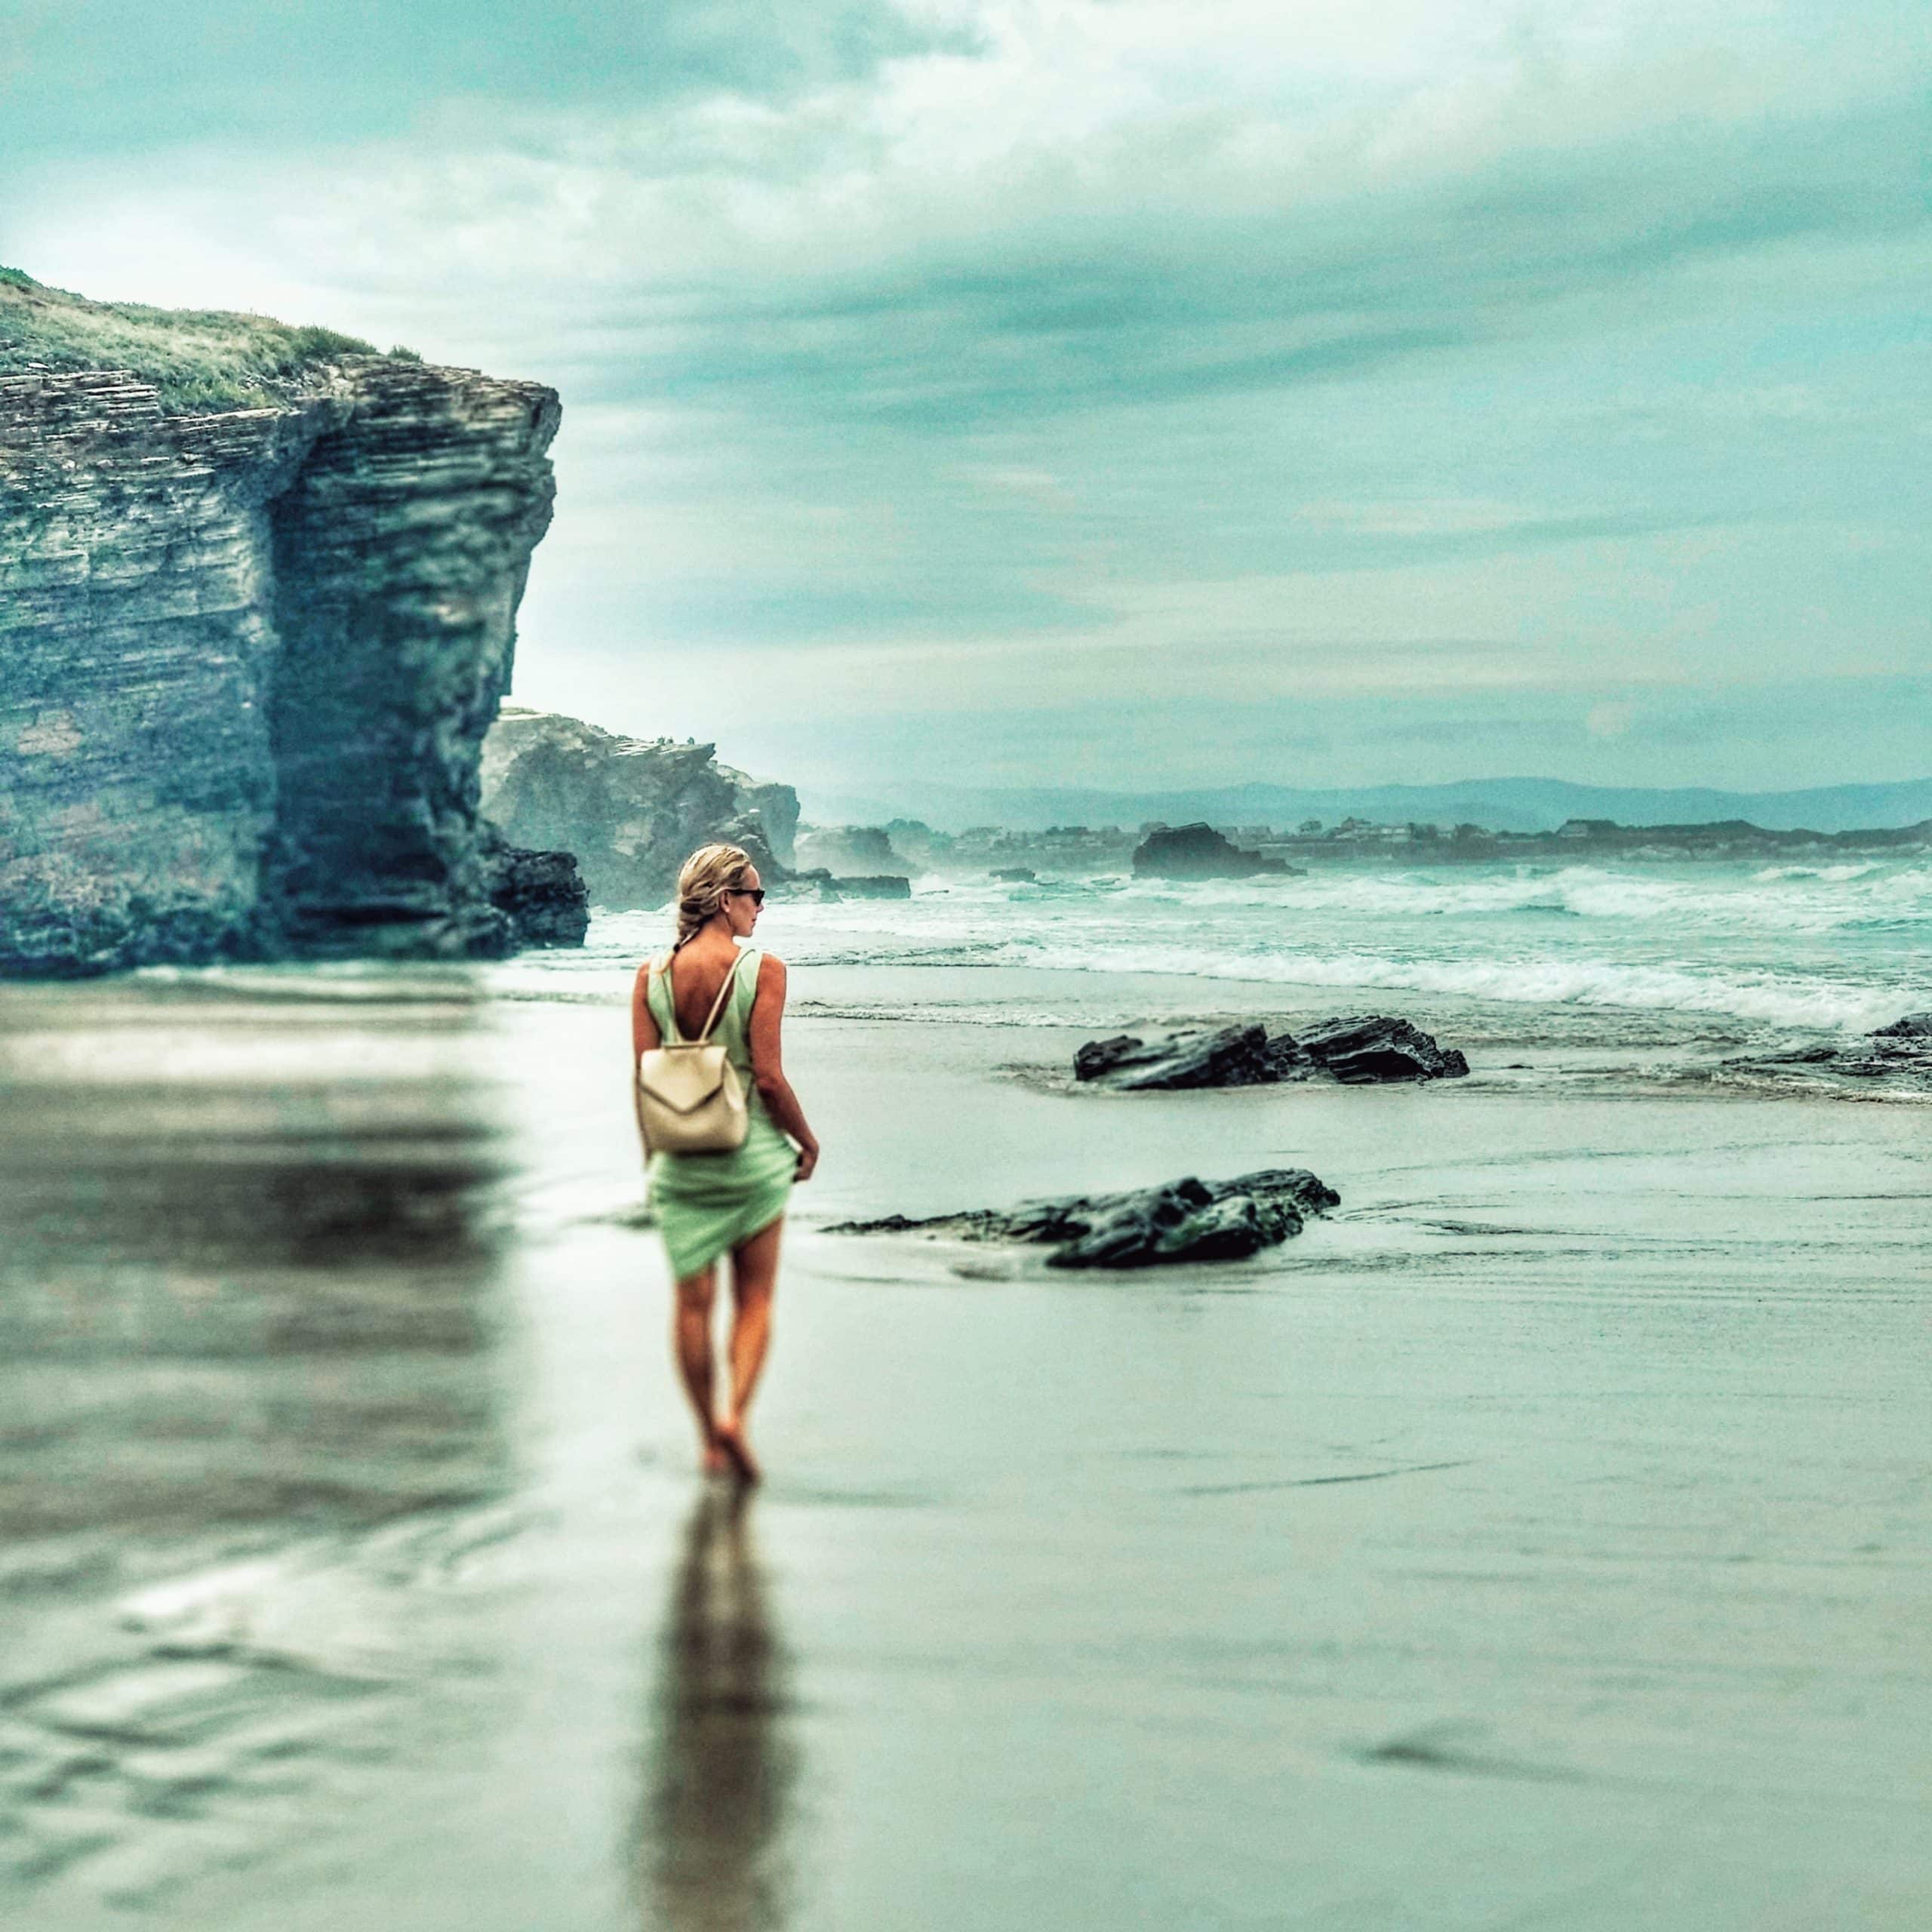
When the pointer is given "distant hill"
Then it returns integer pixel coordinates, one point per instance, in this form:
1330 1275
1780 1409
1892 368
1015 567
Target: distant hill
1504 804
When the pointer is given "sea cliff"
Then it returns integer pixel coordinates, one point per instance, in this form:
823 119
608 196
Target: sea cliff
631 809
248 654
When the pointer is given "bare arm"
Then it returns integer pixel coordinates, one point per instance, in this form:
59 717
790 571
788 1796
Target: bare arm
644 1036
768 1064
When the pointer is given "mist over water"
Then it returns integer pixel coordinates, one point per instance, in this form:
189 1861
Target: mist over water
1836 948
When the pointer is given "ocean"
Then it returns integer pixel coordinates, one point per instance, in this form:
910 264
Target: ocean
1737 953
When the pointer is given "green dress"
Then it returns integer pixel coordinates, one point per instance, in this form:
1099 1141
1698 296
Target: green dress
706 1204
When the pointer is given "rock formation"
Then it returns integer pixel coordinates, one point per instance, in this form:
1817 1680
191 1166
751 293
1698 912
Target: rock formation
864 849
1198 851
1357 1052
1410 843
247 657
1180 1220
1913 1026
631 809
1061 851
1370 1047
541 893
1898 1056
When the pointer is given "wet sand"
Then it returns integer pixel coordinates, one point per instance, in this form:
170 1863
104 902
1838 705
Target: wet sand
1541 1540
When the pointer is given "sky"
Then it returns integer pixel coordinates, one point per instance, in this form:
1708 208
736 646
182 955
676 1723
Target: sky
1109 392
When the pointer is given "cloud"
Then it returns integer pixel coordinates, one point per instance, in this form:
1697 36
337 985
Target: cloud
982 353
84 78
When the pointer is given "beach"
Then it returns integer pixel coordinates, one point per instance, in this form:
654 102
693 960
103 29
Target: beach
1538 1539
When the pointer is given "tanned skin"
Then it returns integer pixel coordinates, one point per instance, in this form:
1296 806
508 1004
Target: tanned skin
697 973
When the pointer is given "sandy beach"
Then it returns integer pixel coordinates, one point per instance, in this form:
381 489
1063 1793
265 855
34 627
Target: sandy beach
1541 1540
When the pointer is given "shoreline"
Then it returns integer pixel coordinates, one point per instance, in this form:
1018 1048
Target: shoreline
1549 1493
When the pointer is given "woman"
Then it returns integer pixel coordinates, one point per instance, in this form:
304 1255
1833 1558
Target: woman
709 1205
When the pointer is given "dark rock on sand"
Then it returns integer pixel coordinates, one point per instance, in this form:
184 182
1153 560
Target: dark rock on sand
1198 851
1373 1047
1228 1057
1356 1051
1180 1220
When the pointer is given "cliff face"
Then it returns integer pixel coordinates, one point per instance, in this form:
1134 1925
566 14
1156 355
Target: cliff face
631 809
247 661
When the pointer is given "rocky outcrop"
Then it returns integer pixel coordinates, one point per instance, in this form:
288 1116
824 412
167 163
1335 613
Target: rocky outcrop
1366 1049
248 660
631 809
1198 851
541 893
1913 1026
1356 840
1357 1052
1180 1220
865 850
1898 1056
1182 1056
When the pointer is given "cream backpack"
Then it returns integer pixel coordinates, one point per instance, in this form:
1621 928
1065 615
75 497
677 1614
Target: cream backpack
690 1098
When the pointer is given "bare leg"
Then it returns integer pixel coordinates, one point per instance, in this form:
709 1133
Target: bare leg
690 1335
754 1276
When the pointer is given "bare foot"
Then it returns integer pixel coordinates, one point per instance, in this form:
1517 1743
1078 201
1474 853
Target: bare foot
731 1439
715 1462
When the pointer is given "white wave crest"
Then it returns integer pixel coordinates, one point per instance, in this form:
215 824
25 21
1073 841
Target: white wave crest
1772 998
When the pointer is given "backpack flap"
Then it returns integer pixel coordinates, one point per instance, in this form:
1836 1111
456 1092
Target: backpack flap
682 1078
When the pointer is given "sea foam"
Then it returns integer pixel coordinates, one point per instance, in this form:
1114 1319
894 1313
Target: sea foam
1832 947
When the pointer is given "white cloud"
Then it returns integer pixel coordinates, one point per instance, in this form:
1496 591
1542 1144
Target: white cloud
1438 347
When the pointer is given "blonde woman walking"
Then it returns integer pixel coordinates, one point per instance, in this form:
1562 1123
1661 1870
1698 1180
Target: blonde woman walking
711 1205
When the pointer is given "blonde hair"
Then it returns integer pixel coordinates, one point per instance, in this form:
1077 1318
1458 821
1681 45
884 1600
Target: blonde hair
703 879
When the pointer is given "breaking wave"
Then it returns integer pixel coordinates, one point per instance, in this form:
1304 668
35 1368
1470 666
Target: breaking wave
1830 947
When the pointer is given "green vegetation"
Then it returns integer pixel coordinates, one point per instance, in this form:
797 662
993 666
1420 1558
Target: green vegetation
201 361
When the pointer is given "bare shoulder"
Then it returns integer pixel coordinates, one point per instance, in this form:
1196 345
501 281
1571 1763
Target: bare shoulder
771 972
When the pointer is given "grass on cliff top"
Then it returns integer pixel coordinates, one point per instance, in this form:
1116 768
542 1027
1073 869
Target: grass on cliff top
201 361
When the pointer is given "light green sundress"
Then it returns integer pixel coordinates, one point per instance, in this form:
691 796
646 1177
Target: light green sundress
706 1204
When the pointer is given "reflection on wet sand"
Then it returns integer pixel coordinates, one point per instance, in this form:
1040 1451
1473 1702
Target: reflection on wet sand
712 1850
245 1263
248 1271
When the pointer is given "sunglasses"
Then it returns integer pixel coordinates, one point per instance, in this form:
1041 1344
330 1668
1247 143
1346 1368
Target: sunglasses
755 893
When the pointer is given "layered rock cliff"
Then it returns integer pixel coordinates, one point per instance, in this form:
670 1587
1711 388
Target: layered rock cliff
631 809
248 658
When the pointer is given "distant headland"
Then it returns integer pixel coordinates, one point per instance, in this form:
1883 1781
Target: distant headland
1497 804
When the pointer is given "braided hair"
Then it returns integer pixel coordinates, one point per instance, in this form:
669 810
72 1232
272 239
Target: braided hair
703 879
